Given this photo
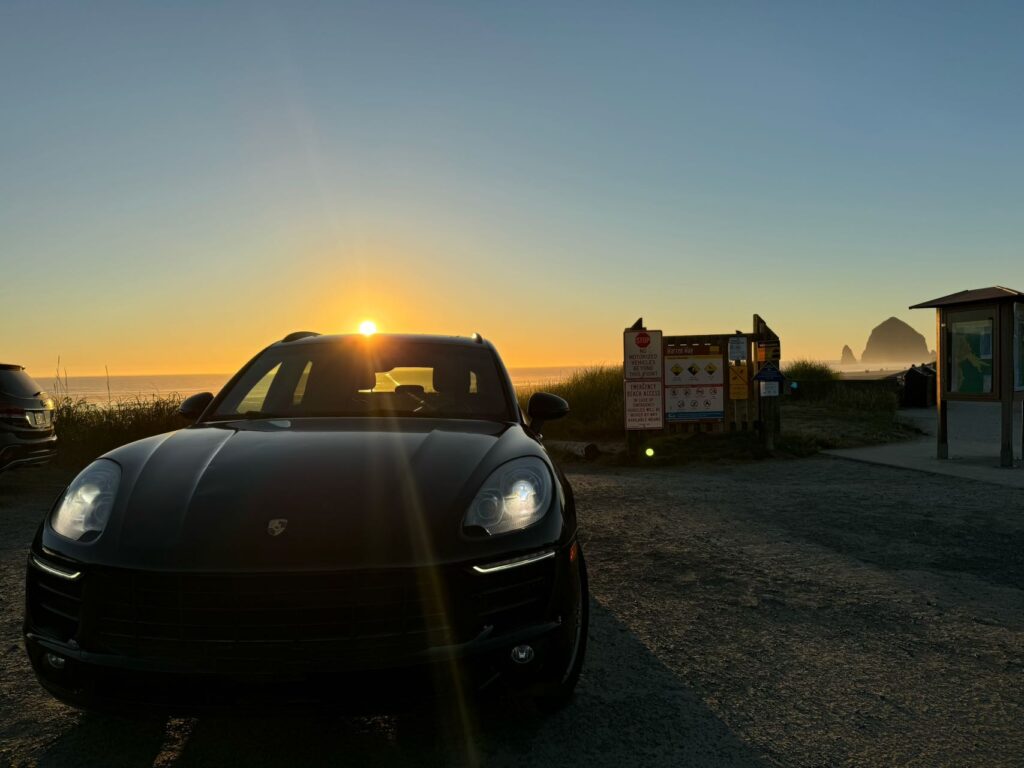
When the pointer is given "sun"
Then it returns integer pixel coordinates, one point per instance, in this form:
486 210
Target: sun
367 327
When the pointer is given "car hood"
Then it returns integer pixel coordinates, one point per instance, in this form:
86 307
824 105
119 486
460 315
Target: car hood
309 494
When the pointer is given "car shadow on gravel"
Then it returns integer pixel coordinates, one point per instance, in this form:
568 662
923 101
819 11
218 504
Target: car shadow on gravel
629 709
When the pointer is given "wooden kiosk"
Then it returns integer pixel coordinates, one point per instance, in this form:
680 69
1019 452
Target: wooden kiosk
700 382
980 348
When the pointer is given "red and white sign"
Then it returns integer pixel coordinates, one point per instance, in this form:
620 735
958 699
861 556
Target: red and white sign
641 355
644 405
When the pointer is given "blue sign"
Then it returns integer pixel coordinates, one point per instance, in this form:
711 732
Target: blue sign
769 372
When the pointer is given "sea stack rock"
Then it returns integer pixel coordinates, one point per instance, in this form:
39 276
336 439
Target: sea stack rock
895 342
848 357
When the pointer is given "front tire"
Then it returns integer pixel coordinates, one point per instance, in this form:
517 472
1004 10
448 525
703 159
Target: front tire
557 692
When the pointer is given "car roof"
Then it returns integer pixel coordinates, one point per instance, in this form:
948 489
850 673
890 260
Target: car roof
316 338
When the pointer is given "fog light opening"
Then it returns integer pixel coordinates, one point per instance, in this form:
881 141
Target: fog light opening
522 654
55 661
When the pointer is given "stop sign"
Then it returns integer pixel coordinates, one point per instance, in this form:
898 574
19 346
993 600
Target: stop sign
643 340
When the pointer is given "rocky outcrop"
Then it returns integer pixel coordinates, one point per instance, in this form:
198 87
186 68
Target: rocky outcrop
848 357
895 342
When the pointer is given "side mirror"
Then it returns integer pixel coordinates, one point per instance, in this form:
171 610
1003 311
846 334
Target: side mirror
545 407
192 407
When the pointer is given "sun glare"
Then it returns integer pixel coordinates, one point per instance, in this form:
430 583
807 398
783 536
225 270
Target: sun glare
367 327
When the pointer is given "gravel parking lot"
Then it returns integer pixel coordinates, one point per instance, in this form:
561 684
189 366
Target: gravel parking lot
812 612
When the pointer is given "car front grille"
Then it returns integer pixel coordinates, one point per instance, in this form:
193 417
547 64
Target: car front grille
507 599
358 617
55 604
240 617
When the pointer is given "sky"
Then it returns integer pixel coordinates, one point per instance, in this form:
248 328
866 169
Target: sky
183 183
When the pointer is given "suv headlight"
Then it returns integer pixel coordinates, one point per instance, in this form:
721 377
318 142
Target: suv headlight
85 507
515 496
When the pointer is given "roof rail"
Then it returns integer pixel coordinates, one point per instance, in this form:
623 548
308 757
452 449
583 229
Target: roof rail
478 338
296 335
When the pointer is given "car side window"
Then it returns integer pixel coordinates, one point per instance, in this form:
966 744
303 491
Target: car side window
300 388
257 395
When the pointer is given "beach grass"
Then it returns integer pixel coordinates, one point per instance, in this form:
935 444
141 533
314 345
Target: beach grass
810 427
87 430
819 382
595 402
804 370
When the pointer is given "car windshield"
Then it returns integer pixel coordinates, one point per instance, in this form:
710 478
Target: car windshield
370 377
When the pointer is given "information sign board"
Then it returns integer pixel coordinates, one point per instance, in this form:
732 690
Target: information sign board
694 384
739 387
769 351
769 389
737 348
769 372
644 405
694 404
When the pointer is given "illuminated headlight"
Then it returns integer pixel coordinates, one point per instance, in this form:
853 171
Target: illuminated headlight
515 496
85 507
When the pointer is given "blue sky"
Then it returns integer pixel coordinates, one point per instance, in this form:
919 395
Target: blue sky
183 182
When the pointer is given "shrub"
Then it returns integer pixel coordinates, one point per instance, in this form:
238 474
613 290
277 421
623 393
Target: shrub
809 370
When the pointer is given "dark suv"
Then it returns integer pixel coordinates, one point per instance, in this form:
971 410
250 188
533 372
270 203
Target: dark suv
352 521
26 420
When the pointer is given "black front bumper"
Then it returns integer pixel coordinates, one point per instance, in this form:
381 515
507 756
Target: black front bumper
111 639
26 449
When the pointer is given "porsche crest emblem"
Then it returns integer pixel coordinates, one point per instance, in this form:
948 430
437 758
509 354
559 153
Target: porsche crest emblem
276 526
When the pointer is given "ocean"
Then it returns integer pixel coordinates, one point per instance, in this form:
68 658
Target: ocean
101 389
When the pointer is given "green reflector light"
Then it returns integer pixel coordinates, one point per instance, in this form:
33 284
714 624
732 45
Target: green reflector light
649 452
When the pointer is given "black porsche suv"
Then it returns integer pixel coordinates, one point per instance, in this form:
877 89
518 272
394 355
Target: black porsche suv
350 518
26 420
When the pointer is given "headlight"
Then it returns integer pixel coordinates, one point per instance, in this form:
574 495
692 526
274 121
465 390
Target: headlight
516 495
85 508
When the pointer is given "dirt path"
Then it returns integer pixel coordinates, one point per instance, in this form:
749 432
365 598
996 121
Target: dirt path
803 613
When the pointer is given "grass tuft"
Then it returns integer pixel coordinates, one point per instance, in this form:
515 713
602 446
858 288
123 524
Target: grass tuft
595 401
803 370
87 430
